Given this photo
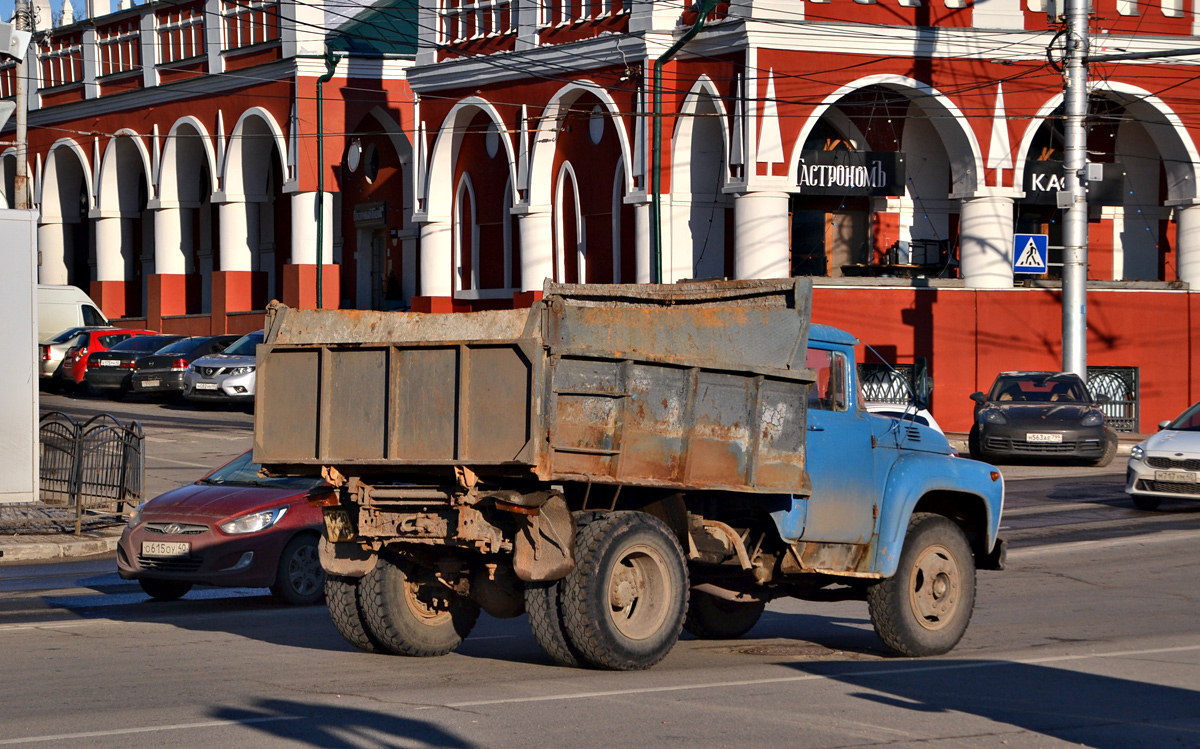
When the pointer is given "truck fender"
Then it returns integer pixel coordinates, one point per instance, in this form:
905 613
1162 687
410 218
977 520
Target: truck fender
544 547
345 559
918 475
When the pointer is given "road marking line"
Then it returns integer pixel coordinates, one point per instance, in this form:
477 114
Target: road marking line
884 672
148 729
1157 537
1100 504
157 458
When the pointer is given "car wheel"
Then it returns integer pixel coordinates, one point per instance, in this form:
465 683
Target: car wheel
1110 449
924 609
409 617
119 394
164 590
1145 502
344 600
713 618
973 444
300 580
625 601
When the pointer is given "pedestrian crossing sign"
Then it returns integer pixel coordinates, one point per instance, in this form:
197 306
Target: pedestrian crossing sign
1029 253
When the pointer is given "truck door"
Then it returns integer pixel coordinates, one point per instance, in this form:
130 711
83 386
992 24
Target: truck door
840 458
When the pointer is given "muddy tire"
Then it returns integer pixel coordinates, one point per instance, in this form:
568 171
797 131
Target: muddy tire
345 609
299 578
1110 449
625 602
164 590
1145 501
925 608
546 620
407 617
713 618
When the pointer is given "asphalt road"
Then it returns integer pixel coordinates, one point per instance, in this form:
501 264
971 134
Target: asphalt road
1090 637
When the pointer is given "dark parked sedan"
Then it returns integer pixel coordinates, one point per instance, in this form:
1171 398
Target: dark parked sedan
111 371
231 529
162 371
1040 414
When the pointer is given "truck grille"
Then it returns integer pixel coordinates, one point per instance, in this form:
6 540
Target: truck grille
1159 462
170 564
1168 487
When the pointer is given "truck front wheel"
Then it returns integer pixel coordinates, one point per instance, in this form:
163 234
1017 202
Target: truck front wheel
624 603
407 617
925 608
713 618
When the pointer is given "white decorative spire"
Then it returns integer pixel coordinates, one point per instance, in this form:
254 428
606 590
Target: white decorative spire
294 146
736 157
420 156
221 148
523 151
68 14
156 154
770 140
999 150
639 138
96 169
36 193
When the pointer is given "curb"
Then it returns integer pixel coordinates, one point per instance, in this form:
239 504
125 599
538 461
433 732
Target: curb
28 551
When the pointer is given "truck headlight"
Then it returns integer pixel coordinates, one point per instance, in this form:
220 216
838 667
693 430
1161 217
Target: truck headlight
1093 419
253 522
1137 452
993 416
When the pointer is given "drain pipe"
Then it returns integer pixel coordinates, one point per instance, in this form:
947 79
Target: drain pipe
706 7
331 61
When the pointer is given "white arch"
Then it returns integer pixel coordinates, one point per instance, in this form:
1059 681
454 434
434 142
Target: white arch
565 172
50 175
541 158
703 89
168 188
439 175
234 155
1179 154
110 172
962 148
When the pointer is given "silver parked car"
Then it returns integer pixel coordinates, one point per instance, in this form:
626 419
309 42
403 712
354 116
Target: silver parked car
227 377
1166 466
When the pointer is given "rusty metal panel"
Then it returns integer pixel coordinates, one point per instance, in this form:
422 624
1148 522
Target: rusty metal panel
357 398
288 396
720 446
329 327
424 405
587 400
782 424
499 388
654 428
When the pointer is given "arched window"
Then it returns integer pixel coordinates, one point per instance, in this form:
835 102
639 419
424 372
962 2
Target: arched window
569 229
466 238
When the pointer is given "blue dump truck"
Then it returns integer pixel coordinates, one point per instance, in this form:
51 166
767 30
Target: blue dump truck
620 463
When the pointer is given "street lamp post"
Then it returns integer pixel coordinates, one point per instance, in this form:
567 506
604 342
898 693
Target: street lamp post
1074 199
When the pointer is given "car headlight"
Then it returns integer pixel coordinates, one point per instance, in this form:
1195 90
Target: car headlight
993 416
1093 419
254 522
136 516
1137 452
241 370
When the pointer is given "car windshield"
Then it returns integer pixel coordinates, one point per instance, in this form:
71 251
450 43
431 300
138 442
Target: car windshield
1188 421
242 471
1039 388
144 343
182 346
246 345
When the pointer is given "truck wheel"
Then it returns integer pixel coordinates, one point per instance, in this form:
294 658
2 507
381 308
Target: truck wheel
546 621
345 608
1110 449
624 603
925 607
408 618
164 590
713 618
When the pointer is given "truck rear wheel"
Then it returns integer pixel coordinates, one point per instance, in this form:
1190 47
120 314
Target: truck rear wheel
546 620
345 608
713 618
407 617
624 603
925 608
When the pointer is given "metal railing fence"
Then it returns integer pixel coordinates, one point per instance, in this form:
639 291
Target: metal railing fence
98 466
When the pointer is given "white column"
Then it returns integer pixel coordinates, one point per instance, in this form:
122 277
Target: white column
52 254
304 229
761 235
435 258
236 253
1187 244
111 251
641 223
169 251
537 248
986 242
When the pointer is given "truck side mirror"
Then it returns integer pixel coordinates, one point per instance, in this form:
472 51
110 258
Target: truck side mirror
922 382
978 398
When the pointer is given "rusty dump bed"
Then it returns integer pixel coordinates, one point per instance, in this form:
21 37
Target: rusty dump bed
696 385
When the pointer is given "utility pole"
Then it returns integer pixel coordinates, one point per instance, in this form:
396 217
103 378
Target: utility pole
23 22
1074 199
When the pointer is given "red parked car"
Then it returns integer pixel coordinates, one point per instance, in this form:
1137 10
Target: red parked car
74 365
231 528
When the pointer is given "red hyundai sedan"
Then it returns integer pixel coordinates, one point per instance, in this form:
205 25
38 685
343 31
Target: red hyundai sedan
230 529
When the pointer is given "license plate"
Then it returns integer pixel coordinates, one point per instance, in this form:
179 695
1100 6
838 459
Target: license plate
150 383
1176 477
337 526
165 549
109 362
1042 437
206 386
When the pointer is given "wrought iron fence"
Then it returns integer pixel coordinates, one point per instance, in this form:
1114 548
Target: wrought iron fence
98 466
1122 387
881 383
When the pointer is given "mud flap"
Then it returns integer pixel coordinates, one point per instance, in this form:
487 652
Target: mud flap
345 560
544 548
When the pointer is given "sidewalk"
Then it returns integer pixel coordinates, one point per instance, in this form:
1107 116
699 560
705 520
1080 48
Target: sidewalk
38 532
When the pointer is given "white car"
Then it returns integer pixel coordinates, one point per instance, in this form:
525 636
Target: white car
1166 466
900 411
227 377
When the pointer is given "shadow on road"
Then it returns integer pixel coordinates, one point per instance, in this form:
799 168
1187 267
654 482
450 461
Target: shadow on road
336 727
1098 711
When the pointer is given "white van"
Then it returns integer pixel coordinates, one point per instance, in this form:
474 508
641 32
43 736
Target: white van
62 307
